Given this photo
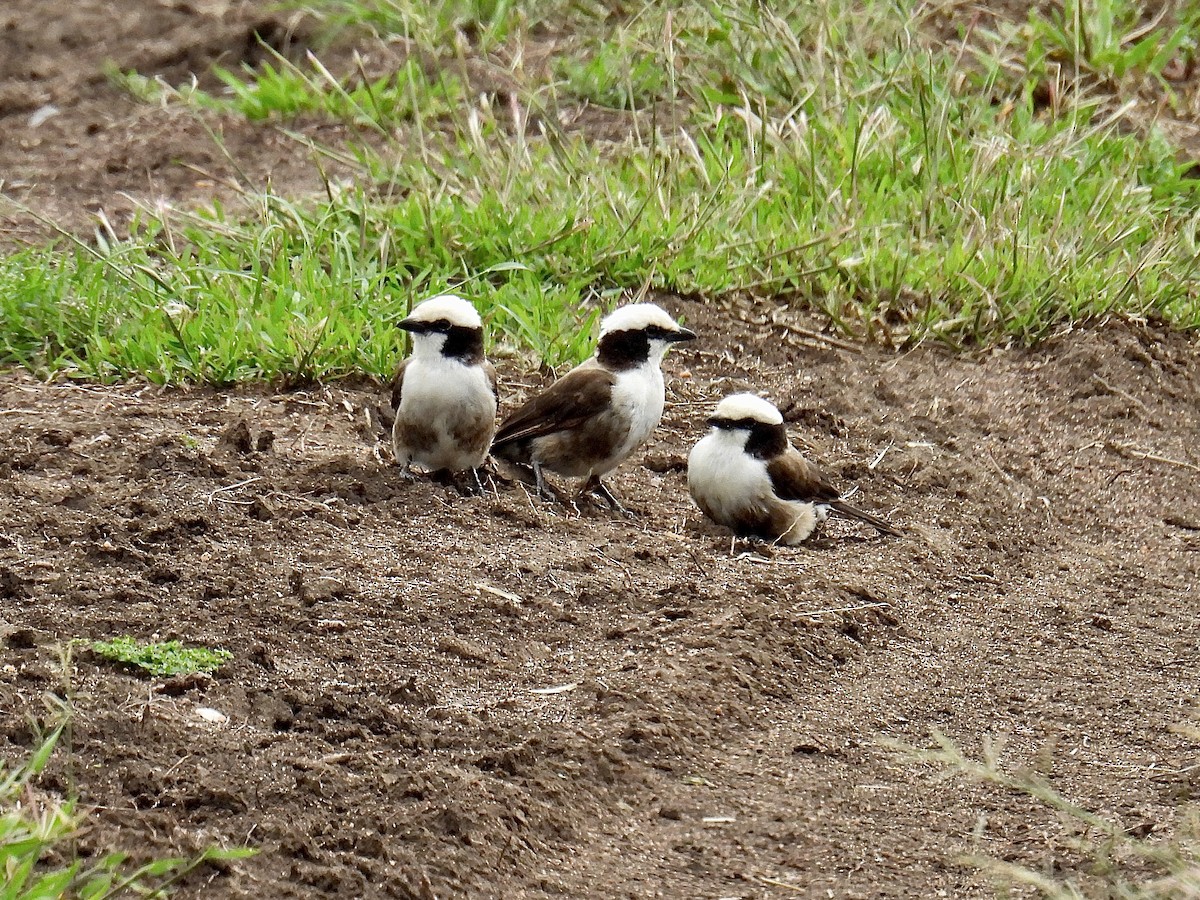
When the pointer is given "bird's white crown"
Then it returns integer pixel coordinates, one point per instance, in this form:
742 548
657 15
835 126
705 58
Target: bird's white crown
637 316
748 406
451 307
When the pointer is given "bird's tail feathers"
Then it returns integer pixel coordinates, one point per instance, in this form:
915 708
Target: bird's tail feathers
853 512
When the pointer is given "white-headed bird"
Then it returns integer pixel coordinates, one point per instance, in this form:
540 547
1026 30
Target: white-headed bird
590 420
444 393
745 475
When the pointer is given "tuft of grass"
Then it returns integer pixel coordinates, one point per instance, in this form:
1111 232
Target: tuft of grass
38 831
818 155
1108 51
283 91
1113 862
482 25
1109 39
164 659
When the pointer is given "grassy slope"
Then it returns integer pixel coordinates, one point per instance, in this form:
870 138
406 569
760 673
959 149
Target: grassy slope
826 157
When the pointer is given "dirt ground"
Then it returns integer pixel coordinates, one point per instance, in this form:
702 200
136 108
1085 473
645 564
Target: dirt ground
434 695
400 722
72 145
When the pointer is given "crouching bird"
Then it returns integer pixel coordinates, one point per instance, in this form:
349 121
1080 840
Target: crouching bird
585 423
444 393
746 476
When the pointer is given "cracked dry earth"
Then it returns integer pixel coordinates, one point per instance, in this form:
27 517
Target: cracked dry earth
434 695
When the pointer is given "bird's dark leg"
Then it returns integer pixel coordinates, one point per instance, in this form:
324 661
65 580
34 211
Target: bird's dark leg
544 490
598 487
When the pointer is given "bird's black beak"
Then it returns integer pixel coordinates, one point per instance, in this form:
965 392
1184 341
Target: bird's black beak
413 326
683 334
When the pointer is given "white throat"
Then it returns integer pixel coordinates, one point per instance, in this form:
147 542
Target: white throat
638 397
428 347
728 440
658 349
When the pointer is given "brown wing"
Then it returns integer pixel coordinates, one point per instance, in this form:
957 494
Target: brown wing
398 384
794 478
569 402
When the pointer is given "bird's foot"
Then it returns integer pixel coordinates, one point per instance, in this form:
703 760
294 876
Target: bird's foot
475 485
544 490
750 546
598 488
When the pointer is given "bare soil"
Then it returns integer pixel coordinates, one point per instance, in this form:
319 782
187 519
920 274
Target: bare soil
434 695
74 146
400 721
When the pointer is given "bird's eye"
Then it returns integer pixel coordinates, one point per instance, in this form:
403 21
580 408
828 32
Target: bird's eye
733 424
441 325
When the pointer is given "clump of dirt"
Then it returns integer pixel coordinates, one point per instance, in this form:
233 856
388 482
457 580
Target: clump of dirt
434 695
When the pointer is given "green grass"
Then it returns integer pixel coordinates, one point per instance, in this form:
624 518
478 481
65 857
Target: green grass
825 156
282 90
38 835
483 25
164 659
1107 40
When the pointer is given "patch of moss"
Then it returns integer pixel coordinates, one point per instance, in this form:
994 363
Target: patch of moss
166 659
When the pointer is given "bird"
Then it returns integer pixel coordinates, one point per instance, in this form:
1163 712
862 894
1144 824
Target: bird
591 419
745 474
444 393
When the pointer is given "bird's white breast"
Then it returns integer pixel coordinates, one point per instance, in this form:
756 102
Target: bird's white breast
442 381
637 397
442 395
726 478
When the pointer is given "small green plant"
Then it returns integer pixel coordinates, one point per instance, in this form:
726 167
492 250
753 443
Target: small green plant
165 659
285 91
1109 37
1089 43
37 827
1114 863
281 90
